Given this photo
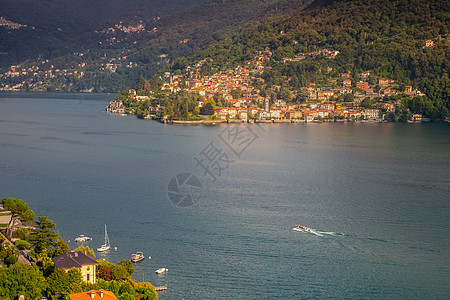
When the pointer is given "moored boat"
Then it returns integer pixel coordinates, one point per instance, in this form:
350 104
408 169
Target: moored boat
162 270
138 256
106 246
82 238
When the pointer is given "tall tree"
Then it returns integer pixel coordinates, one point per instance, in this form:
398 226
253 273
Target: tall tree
20 213
44 238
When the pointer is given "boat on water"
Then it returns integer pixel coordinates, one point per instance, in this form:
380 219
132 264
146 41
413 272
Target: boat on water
138 256
302 227
162 270
106 246
82 238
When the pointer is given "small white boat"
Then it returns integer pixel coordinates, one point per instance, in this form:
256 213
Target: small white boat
304 228
82 238
138 256
106 246
162 270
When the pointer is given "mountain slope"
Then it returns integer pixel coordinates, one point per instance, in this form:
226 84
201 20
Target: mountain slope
52 23
111 59
387 38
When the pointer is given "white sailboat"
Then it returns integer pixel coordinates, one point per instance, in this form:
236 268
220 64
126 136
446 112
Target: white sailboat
106 245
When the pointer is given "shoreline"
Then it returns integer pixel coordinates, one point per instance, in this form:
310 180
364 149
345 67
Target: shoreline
264 121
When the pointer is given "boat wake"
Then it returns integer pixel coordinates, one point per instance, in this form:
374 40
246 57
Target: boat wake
318 232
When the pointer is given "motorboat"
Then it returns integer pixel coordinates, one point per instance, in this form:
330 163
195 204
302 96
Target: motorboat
302 227
82 238
106 246
138 256
162 270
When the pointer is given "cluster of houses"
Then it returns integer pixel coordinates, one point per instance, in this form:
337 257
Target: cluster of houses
127 29
250 104
11 25
300 56
309 112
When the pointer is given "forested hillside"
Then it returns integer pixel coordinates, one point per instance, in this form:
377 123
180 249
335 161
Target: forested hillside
115 56
51 24
386 37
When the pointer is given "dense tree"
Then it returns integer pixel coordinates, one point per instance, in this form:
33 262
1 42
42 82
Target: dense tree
65 282
20 213
128 265
44 238
119 272
146 291
207 109
21 279
85 250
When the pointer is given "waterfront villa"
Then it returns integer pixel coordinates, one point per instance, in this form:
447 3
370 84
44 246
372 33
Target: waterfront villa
85 263
94 294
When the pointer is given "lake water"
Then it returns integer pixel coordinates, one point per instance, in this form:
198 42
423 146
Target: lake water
375 195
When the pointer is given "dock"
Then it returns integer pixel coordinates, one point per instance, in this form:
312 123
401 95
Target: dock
160 288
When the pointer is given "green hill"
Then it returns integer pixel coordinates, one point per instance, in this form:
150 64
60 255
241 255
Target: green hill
384 37
145 51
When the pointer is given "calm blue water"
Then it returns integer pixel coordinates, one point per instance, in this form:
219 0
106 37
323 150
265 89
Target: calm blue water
376 195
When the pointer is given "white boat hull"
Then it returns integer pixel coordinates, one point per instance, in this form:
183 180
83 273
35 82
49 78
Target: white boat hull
102 249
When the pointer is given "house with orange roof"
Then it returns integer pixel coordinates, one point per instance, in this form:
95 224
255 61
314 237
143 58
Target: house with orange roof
383 81
327 106
362 85
347 83
388 91
242 115
275 113
93 294
293 114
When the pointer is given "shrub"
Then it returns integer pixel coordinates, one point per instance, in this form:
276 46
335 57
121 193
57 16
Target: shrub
10 260
22 233
22 245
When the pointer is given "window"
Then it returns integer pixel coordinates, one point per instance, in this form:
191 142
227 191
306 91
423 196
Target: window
87 277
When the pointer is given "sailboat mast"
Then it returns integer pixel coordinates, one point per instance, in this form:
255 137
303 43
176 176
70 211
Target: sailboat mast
106 237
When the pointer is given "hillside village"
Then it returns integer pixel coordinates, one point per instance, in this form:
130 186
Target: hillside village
241 95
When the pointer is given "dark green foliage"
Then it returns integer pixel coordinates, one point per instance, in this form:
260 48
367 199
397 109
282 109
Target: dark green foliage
207 109
22 233
129 290
44 238
65 282
119 272
21 279
368 103
22 244
10 260
146 291
128 265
